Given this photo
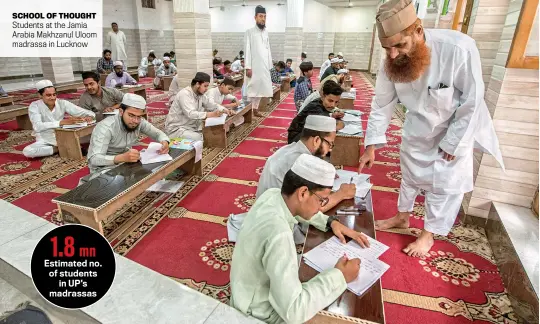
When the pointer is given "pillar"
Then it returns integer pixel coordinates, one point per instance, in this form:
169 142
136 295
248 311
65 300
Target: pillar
294 32
57 69
192 38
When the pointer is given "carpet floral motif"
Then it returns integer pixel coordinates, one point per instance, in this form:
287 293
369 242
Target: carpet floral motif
450 269
217 254
245 201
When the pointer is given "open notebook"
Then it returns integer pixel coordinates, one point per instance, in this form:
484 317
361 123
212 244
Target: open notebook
360 180
326 255
151 154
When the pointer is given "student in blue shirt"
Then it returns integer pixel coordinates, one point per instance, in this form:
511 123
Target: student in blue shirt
288 70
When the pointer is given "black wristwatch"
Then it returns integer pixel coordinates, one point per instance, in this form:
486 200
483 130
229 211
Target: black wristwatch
330 220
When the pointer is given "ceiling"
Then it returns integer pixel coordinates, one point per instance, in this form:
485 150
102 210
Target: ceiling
329 3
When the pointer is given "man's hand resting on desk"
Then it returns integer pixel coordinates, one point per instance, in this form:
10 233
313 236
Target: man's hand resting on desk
215 113
341 231
130 156
164 147
72 120
349 268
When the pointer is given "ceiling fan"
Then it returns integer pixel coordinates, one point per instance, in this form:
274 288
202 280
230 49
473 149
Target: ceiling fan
221 7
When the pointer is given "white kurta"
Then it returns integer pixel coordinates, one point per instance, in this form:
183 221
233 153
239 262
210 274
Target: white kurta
215 96
44 120
324 66
236 66
455 119
117 42
264 271
259 59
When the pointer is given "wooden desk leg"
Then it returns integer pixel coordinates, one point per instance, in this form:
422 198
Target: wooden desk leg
141 93
263 105
72 215
248 117
215 136
23 122
69 146
192 168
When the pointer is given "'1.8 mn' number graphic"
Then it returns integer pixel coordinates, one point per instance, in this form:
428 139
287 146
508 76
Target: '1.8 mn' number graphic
69 248
73 266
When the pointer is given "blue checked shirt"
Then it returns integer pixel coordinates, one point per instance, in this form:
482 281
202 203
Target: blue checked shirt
302 91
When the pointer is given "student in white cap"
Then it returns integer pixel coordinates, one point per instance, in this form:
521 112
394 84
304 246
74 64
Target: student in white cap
317 139
333 69
147 62
324 106
119 77
437 75
165 69
264 271
113 138
338 77
48 113
190 108
325 65
340 55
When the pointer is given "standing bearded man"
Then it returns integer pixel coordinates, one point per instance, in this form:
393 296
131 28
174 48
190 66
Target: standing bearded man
437 76
258 61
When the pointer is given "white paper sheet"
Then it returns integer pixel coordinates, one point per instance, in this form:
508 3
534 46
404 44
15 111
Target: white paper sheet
351 129
151 154
234 223
198 146
79 125
360 180
213 121
114 112
166 186
326 255
351 118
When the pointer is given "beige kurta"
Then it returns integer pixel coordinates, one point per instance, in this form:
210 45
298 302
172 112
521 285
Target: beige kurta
117 43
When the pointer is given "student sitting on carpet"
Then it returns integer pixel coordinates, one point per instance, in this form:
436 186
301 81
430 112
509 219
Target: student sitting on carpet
303 87
324 106
264 271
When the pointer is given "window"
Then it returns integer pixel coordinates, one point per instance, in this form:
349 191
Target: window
149 4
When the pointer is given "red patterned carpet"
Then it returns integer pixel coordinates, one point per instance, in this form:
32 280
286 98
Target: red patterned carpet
184 235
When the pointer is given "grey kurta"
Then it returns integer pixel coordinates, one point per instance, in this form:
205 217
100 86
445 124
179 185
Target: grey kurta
110 138
188 112
264 272
109 97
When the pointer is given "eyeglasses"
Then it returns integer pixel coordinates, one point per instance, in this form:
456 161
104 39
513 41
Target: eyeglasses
331 144
322 201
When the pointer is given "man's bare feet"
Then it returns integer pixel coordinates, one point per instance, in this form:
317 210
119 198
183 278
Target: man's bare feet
256 113
421 246
401 220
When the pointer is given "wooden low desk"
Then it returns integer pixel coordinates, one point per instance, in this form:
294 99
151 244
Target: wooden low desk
134 74
369 306
69 141
103 78
94 201
264 105
346 149
166 82
346 103
68 87
151 71
238 80
347 83
216 136
139 89
6 101
286 84
20 112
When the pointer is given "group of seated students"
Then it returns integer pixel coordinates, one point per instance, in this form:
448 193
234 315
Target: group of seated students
294 189
227 68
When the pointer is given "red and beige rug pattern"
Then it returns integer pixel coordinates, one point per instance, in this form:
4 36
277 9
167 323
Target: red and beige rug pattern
184 236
